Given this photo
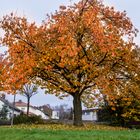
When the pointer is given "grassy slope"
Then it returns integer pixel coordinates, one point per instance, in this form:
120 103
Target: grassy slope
42 134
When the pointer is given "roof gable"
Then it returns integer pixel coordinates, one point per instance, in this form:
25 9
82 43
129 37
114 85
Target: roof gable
10 105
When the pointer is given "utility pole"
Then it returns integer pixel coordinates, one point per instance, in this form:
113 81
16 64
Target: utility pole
12 119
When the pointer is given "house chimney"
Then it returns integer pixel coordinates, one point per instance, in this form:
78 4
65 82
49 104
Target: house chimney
20 101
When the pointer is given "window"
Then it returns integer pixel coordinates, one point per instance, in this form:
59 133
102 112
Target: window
87 113
23 109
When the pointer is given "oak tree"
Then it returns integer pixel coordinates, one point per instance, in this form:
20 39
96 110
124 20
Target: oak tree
74 51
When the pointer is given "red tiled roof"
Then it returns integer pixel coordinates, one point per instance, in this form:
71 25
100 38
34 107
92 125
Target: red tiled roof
20 104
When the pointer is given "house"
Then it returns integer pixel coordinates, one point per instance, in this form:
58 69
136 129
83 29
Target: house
52 113
32 110
10 108
46 109
90 114
55 114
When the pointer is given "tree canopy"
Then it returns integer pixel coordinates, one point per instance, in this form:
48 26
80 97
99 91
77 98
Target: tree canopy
76 50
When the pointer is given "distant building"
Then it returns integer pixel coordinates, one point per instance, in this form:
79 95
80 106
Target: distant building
52 113
32 110
55 114
90 114
46 109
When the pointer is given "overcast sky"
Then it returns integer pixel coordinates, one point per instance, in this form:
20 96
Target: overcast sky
36 10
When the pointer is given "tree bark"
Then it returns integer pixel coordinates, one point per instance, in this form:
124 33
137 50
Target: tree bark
28 106
77 110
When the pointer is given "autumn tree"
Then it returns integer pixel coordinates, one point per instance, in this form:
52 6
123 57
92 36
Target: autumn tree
76 50
28 90
125 103
122 106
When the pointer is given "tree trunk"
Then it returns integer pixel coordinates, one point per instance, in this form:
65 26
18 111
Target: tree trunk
77 110
28 106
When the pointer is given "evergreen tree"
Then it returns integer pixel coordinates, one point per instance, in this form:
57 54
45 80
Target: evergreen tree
3 113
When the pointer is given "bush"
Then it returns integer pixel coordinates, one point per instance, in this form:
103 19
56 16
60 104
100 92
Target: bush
5 122
121 109
133 124
24 119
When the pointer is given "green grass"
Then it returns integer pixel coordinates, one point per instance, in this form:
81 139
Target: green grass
7 133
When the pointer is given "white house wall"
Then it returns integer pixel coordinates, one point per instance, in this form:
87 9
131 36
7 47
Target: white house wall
55 114
34 111
11 112
90 116
95 117
1 104
40 113
24 109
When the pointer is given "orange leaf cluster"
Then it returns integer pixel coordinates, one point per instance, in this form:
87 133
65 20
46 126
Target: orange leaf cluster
75 49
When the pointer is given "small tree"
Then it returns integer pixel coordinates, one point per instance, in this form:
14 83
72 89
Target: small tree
28 91
3 113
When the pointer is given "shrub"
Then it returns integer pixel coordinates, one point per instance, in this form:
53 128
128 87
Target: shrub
5 122
24 119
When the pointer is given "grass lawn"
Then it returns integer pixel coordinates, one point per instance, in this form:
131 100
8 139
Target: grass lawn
53 132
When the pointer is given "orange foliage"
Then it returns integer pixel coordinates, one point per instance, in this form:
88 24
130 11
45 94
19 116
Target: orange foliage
3 65
74 50
77 47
